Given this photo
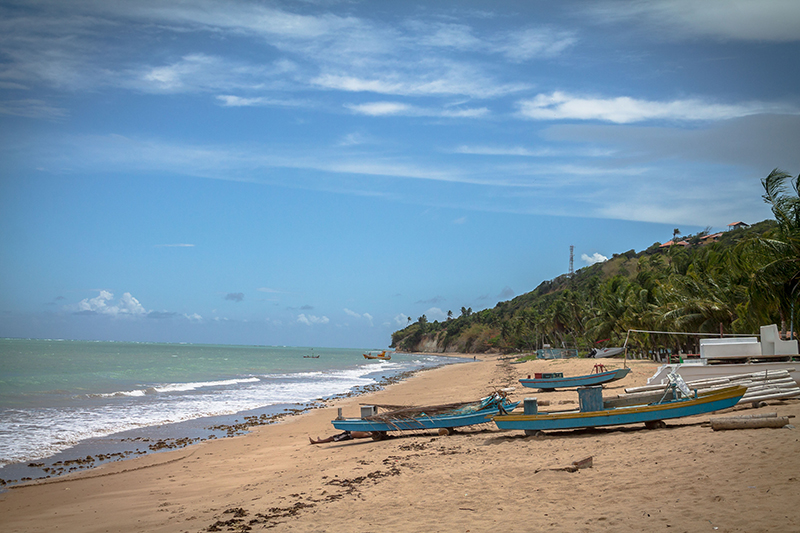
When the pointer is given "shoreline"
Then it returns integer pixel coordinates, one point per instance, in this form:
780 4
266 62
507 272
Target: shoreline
684 476
124 445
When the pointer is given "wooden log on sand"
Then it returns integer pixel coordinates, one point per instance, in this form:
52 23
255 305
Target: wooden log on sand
748 423
754 415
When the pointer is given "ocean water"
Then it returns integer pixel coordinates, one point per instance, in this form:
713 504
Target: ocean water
56 394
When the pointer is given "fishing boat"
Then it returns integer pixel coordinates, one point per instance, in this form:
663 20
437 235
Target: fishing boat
553 381
599 353
446 416
593 414
311 355
729 356
382 355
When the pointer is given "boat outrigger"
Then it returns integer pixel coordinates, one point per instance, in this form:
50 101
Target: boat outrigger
551 382
680 403
382 355
446 416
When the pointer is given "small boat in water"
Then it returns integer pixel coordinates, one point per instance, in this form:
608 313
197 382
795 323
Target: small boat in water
382 355
553 381
593 414
446 416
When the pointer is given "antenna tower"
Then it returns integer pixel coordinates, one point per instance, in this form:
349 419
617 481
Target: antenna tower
571 260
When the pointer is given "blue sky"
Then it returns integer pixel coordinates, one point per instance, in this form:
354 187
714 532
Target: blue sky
313 173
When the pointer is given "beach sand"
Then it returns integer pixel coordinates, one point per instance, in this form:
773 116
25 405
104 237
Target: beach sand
684 477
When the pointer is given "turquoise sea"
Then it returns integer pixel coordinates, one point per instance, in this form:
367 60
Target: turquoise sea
55 394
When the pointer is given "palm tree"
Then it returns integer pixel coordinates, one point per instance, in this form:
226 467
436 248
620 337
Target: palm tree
775 283
611 312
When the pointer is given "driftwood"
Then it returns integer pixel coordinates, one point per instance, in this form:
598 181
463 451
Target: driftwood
754 415
748 423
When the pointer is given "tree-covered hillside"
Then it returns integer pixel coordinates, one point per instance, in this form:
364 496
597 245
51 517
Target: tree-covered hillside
737 280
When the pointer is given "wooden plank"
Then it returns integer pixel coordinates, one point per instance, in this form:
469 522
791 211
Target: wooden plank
749 423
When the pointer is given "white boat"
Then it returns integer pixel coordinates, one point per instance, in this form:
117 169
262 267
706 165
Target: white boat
739 355
606 352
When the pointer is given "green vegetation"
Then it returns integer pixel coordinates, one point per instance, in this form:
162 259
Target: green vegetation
739 281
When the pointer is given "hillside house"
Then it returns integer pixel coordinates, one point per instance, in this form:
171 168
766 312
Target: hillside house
708 239
679 243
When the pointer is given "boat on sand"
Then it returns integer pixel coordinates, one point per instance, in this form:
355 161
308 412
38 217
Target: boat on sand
447 416
551 382
593 414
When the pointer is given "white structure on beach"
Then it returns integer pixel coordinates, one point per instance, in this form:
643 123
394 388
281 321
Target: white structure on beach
738 355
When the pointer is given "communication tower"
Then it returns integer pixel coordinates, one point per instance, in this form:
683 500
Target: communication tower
571 260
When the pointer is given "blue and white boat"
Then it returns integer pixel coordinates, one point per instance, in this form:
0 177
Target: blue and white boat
570 382
437 417
652 415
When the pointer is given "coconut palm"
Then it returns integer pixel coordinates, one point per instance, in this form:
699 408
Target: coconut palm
775 282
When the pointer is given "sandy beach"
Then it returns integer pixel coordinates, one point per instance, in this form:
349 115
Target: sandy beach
684 477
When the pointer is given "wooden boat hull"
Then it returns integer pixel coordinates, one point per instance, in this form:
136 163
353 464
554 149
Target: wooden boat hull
704 403
575 381
423 422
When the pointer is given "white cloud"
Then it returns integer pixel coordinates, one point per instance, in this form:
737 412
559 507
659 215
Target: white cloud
202 72
402 319
311 319
504 151
594 258
534 42
419 82
377 109
746 20
103 304
260 101
380 108
624 110
31 108
434 313
353 314
516 45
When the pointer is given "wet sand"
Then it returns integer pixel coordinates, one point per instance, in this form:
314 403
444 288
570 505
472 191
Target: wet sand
684 477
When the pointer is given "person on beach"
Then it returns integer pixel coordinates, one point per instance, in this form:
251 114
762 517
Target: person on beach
346 435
